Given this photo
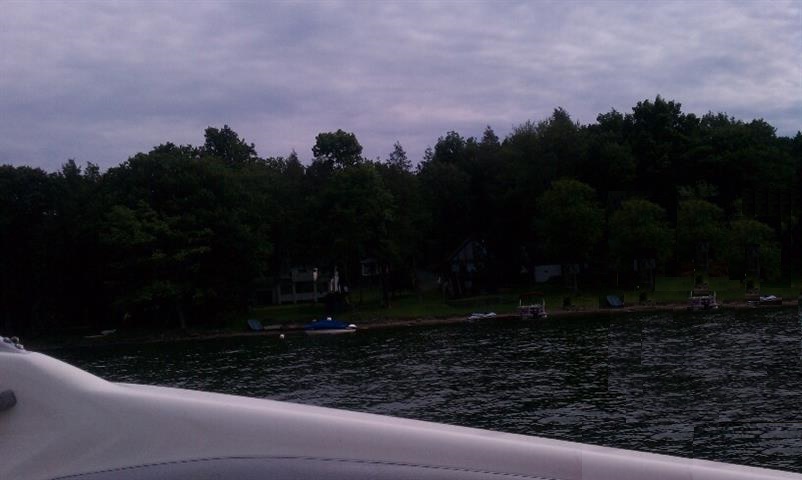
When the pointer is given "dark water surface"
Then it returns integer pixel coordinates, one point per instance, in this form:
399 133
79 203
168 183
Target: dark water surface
724 386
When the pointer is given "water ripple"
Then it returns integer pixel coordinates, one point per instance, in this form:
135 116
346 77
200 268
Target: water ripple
724 386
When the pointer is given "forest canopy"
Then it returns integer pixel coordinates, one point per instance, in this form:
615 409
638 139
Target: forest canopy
185 234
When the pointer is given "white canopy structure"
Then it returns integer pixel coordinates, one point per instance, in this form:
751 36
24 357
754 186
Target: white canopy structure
59 422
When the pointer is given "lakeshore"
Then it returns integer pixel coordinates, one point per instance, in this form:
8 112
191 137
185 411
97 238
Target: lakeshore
374 323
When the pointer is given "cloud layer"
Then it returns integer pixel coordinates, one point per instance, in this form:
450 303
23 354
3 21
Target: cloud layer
100 81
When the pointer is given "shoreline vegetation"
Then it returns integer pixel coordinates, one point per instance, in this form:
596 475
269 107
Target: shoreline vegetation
190 237
274 329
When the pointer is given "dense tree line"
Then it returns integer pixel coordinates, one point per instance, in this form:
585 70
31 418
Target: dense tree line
183 234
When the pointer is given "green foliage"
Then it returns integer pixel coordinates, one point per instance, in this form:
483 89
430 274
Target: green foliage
450 149
490 143
638 226
408 225
570 220
27 203
359 210
182 235
746 231
699 221
618 164
398 158
225 145
337 149
446 200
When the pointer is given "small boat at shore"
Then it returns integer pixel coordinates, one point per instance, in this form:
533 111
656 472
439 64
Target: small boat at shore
103 334
702 299
764 300
328 326
532 305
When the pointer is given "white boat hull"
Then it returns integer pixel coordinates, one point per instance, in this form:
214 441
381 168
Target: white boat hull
70 424
330 331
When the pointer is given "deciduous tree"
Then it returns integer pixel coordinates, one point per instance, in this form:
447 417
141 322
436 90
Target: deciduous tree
570 221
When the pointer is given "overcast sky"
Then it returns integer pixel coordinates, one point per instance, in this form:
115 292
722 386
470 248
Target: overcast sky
101 81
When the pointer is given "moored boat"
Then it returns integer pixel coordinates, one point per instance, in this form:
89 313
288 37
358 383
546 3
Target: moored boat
765 300
532 305
702 299
328 326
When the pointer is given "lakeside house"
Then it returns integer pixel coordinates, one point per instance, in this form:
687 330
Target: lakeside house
465 268
304 284
544 273
369 267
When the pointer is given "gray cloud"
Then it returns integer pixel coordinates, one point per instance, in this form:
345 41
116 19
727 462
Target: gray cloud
100 81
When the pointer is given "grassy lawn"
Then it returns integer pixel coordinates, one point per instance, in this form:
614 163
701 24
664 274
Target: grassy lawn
411 306
367 303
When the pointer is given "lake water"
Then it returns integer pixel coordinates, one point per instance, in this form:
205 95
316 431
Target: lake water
723 386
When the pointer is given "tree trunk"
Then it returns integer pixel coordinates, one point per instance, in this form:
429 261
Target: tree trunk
385 288
182 319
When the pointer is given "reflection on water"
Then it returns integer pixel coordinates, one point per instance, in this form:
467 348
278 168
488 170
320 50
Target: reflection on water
724 386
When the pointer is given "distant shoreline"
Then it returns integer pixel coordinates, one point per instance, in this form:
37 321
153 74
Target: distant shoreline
672 307
374 324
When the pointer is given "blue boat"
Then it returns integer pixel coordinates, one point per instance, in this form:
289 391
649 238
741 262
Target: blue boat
328 326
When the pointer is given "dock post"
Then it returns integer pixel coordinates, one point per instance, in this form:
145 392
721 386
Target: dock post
799 308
